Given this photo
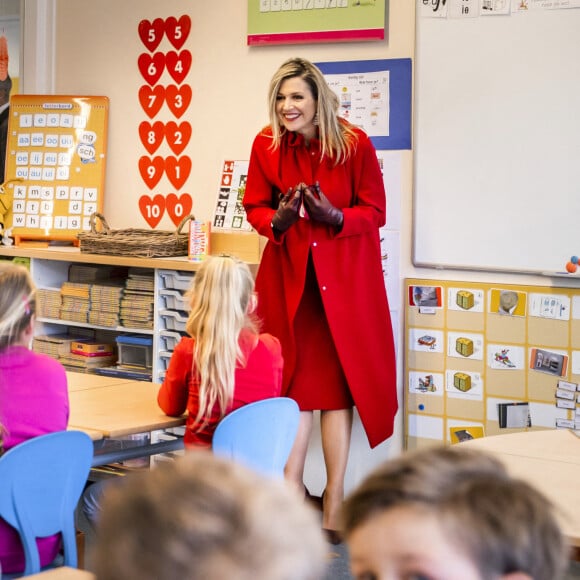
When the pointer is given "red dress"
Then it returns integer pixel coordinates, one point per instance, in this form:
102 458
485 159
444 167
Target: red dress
341 271
260 378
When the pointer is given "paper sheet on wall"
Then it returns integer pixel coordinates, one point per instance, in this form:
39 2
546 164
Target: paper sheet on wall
229 212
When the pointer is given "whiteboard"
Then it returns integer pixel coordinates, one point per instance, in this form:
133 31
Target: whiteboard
497 142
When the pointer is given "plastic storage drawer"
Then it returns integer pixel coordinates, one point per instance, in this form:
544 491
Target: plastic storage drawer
169 339
172 320
135 351
172 280
174 300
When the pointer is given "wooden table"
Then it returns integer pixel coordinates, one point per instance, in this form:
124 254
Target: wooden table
109 408
82 381
64 573
550 460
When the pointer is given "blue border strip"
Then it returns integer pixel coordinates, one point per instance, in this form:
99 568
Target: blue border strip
400 70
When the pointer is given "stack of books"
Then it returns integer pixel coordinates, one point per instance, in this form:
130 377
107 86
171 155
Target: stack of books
49 302
105 304
138 299
89 355
59 345
75 301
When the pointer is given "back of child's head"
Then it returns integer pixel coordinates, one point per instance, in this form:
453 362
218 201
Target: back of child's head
220 294
17 302
222 304
203 517
501 523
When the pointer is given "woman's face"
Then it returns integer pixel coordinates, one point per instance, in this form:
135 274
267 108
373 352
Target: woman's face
296 107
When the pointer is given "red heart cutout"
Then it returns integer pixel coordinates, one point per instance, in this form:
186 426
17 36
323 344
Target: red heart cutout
178 99
178 207
151 170
151 135
151 33
177 170
177 136
151 99
178 30
178 65
152 209
151 66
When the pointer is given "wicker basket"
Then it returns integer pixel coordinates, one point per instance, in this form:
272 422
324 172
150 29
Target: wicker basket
133 242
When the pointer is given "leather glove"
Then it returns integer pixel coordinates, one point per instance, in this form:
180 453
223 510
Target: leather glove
287 213
319 208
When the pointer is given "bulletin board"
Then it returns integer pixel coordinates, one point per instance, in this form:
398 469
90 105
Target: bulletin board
55 166
484 359
300 21
376 96
496 144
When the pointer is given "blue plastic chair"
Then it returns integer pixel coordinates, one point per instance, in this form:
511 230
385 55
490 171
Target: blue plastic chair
41 481
259 434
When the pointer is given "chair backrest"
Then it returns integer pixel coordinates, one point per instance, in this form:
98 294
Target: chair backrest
259 434
41 481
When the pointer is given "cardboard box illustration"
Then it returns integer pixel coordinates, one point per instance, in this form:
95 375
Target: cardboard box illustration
462 381
465 299
464 346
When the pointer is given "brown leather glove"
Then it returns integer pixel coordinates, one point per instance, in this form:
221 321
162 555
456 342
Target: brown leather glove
319 208
287 213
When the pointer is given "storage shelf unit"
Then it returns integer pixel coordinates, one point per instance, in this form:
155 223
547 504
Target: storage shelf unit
49 269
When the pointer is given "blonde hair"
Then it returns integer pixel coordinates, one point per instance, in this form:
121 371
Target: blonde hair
220 302
503 524
337 137
202 517
17 302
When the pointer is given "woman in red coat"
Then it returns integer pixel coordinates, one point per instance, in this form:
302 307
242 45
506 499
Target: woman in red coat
315 190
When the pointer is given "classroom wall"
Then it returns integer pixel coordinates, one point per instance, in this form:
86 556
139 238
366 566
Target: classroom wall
96 47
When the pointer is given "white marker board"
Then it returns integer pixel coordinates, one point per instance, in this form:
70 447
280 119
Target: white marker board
497 141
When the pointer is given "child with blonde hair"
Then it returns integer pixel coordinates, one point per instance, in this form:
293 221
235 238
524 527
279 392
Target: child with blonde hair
33 394
205 518
451 513
225 362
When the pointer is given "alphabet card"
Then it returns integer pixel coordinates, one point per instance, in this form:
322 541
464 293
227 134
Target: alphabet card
55 165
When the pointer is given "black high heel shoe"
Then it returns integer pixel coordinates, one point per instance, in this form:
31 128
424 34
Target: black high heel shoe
314 500
333 537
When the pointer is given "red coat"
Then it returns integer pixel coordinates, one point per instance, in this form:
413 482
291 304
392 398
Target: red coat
348 266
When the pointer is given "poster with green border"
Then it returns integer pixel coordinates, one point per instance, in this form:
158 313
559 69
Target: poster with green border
305 21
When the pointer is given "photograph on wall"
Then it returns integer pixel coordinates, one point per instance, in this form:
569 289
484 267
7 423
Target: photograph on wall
466 433
425 340
421 296
546 361
507 302
426 383
514 415
505 357
554 306
302 21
